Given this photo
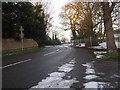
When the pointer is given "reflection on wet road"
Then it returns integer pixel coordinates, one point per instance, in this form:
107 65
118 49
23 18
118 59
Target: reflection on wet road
99 79
61 66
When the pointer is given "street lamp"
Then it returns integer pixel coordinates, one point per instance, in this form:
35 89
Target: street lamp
21 35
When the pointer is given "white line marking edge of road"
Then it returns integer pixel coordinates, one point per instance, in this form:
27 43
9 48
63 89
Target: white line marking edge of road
15 63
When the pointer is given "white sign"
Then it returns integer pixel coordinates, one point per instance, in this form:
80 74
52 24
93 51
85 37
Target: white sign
21 34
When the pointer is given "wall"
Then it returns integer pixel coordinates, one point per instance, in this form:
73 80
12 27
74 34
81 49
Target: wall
11 44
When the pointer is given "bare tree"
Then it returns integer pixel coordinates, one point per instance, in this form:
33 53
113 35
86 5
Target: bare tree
48 11
107 10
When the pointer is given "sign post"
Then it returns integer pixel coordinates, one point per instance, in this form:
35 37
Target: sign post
21 35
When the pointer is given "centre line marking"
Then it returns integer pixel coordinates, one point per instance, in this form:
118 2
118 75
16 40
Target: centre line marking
51 52
15 63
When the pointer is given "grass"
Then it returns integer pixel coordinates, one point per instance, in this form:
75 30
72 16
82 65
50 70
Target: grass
20 51
114 55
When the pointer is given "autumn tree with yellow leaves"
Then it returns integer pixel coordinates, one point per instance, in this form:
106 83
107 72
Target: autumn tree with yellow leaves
71 16
81 19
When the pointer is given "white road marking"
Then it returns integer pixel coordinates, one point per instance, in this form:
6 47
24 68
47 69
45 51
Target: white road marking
56 51
15 63
51 52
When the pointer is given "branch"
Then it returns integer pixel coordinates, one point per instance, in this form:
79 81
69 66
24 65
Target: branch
116 19
112 6
97 24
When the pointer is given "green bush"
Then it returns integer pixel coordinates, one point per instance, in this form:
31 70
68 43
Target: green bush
53 42
114 55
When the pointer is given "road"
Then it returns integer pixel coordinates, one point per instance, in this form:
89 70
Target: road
59 66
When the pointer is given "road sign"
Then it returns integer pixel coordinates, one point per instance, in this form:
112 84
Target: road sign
21 35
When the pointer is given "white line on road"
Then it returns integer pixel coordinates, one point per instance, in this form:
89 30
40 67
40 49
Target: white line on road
15 63
51 52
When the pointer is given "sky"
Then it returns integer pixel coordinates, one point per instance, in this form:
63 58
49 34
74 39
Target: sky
56 5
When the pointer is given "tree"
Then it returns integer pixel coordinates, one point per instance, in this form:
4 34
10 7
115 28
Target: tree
81 19
25 14
71 15
14 16
48 11
39 26
107 10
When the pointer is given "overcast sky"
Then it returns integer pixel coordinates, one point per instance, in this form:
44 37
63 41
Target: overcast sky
57 5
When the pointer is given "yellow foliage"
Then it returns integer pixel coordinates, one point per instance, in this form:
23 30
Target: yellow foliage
79 15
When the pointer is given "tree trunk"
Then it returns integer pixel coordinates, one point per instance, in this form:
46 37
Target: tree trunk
111 47
74 34
73 31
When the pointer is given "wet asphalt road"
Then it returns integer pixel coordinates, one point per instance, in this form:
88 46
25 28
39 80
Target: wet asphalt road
26 70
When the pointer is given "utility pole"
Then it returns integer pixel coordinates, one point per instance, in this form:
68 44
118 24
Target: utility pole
21 35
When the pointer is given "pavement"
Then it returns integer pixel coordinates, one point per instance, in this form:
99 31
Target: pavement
59 66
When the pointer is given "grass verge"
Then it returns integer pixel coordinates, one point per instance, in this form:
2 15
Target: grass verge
21 51
114 55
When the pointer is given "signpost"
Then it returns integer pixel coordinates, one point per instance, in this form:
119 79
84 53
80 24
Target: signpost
21 35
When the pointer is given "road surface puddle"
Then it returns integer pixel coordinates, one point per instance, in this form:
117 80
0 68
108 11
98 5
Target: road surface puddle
95 85
98 54
68 66
115 76
55 79
89 68
90 76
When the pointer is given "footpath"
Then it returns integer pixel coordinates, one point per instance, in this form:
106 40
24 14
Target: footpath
91 72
